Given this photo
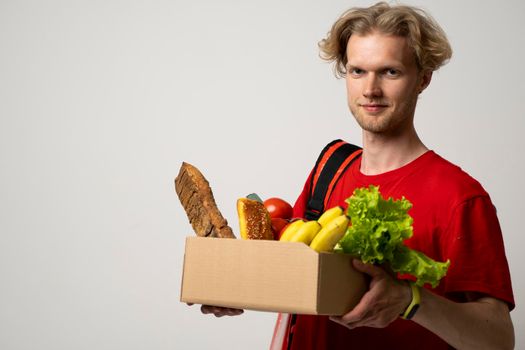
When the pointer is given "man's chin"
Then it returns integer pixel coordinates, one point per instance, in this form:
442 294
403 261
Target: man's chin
372 124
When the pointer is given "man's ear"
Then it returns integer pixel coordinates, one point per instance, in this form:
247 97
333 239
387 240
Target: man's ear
425 79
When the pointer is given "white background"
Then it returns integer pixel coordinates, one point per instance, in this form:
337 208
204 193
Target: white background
101 101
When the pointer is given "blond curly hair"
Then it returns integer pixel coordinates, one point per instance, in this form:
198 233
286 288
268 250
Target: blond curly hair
424 35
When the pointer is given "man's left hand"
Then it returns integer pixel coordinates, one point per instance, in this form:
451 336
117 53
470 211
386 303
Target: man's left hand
385 300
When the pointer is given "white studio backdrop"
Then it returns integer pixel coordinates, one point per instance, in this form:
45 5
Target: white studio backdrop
101 101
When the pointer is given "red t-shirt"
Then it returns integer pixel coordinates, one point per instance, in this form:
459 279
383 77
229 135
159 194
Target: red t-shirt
453 219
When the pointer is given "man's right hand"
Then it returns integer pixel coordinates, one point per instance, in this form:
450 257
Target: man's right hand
219 311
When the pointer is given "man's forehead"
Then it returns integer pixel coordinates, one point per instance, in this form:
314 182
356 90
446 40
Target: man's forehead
379 48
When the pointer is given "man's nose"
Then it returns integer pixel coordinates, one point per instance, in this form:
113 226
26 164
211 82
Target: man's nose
372 87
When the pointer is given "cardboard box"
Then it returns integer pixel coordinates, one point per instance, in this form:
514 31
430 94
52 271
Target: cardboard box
269 276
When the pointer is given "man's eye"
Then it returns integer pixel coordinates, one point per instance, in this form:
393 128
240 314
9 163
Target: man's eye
355 71
392 72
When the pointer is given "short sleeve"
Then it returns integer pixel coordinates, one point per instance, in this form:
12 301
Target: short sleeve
474 244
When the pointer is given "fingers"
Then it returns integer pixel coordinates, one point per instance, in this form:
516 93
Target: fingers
353 325
369 269
338 319
359 313
380 305
220 311
364 314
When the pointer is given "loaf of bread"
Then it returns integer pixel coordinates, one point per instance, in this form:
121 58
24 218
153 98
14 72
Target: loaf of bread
254 219
197 199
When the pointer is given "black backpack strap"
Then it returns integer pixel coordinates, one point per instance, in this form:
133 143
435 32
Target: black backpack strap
333 161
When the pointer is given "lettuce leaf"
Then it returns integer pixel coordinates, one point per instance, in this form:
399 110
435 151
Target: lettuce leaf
377 232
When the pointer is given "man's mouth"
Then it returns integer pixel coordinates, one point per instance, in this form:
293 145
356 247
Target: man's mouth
373 107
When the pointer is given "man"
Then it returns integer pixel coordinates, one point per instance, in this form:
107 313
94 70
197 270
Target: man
387 55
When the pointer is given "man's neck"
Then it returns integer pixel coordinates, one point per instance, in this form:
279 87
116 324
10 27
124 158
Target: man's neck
383 153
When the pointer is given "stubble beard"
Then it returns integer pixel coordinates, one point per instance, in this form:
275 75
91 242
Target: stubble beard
387 122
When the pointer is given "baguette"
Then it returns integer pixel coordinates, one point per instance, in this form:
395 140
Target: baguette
197 199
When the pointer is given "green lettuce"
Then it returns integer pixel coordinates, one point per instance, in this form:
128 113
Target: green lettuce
376 234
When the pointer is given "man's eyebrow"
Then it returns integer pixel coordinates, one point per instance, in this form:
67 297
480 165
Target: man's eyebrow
349 65
386 66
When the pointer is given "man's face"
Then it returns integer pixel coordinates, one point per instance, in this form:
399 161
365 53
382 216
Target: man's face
383 82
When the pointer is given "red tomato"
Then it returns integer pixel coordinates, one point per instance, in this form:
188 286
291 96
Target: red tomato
278 208
277 227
